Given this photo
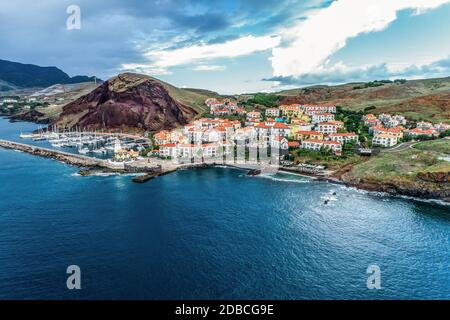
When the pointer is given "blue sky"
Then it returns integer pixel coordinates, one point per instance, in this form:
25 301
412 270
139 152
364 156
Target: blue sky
234 46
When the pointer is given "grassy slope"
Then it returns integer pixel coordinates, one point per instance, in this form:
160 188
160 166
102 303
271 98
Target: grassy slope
404 166
53 111
5 87
194 98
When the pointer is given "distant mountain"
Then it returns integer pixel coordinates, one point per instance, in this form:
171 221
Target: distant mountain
133 102
14 75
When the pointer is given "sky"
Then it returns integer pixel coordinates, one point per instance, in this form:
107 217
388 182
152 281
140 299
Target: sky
232 46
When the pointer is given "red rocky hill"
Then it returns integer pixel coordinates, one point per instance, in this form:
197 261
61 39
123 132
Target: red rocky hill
127 102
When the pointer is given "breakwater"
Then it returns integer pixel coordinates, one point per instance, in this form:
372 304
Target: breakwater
91 165
66 157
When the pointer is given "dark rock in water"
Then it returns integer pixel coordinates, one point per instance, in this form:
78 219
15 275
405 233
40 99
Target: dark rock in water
334 193
254 172
144 178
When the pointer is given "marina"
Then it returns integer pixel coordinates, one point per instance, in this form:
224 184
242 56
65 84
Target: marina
89 142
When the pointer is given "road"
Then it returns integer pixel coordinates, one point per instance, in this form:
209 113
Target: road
406 145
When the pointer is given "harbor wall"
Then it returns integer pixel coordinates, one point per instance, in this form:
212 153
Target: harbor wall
69 158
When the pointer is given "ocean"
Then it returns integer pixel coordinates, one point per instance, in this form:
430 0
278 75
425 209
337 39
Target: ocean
210 234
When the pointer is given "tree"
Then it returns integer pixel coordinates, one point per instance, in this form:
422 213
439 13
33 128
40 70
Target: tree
445 134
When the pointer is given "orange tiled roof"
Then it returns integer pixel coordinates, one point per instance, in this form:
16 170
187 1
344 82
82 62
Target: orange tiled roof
309 132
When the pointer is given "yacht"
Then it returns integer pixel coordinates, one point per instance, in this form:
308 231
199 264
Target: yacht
84 150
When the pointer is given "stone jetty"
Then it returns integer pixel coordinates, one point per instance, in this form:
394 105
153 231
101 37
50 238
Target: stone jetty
66 157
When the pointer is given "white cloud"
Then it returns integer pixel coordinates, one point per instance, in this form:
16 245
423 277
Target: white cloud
341 73
160 60
144 69
311 42
208 67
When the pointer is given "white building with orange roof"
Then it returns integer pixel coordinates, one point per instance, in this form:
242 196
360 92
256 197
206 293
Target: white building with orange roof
300 126
273 112
240 111
178 136
245 133
311 109
291 111
221 112
424 125
327 127
210 150
317 145
312 144
300 122
162 137
204 150
232 105
334 146
252 122
196 134
269 128
384 117
339 124
417 132
307 135
168 150
384 140
376 130
216 105
254 115
396 132
442 127
214 134
369 116
372 122
322 117
400 119
216 122
279 142
344 137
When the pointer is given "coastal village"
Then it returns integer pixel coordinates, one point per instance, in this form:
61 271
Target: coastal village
289 134
263 133
304 128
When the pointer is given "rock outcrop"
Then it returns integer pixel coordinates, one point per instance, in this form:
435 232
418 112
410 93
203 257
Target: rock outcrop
419 189
31 116
127 102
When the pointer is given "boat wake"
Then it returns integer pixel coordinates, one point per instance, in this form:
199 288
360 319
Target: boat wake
105 174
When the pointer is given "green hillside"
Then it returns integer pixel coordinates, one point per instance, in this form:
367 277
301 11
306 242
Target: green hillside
426 99
194 98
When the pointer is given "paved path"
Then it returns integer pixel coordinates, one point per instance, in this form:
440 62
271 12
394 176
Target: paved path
400 147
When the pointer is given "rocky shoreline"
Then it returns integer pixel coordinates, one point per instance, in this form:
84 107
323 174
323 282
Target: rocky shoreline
89 166
422 190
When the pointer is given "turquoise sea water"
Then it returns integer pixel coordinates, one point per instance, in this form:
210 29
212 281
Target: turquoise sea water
210 234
